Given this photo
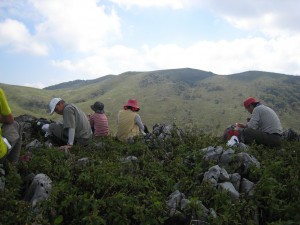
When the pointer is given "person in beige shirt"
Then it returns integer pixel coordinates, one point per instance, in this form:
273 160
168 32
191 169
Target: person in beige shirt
129 122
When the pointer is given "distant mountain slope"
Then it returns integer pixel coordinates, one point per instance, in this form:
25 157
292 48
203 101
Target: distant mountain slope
187 75
252 75
187 97
78 83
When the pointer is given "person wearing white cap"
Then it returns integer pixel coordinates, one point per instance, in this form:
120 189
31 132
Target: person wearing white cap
75 128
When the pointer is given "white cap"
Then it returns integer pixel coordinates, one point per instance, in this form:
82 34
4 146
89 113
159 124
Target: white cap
53 104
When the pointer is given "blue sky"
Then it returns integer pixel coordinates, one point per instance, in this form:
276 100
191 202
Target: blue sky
47 42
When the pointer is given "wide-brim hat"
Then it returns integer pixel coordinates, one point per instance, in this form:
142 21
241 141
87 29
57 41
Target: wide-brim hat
250 101
53 104
98 107
133 103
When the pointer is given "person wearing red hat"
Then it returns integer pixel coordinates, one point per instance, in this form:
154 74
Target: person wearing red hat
129 122
263 126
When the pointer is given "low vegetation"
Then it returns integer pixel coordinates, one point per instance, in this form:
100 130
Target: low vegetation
107 190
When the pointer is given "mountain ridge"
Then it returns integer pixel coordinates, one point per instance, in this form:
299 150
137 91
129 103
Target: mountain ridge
187 97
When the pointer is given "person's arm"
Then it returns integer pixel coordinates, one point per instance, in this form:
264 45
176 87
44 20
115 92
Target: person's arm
92 120
138 121
7 119
69 123
254 119
6 116
240 125
71 136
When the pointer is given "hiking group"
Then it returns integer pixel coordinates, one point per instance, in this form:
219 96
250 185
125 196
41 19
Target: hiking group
263 126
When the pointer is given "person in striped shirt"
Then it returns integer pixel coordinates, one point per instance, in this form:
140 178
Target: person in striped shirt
98 120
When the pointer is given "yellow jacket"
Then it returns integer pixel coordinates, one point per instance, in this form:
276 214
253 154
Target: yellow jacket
4 110
127 128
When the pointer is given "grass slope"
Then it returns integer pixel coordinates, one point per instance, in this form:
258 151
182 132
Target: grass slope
188 97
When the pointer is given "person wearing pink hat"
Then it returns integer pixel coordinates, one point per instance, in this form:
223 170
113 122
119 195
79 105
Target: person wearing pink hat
263 126
129 122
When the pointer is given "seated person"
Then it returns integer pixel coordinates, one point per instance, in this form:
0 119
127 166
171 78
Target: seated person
129 122
263 127
75 128
98 120
11 131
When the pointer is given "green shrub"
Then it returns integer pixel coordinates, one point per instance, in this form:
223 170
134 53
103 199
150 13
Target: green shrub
107 190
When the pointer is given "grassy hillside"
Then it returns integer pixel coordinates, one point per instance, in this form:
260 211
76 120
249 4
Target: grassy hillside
188 97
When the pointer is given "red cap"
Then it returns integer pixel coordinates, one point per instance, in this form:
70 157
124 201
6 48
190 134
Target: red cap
250 101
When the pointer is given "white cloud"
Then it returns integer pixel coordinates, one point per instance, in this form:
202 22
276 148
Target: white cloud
112 60
274 18
15 34
221 57
39 85
226 57
74 25
79 25
66 64
175 4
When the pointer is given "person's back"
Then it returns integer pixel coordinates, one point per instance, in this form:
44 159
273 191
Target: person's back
73 117
100 124
98 120
129 121
265 119
126 125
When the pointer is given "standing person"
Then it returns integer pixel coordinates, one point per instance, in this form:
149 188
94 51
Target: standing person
98 120
10 132
263 126
75 128
129 122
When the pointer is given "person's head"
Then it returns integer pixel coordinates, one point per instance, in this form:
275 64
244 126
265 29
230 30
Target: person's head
132 104
57 105
98 107
250 103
